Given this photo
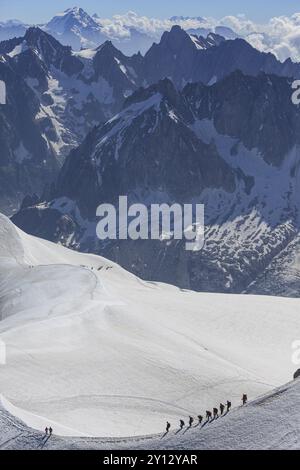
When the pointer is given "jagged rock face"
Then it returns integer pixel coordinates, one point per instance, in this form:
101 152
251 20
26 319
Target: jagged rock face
26 162
148 145
76 91
184 60
49 51
282 275
178 57
121 72
67 94
174 57
52 53
211 40
252 109
226 142
181 146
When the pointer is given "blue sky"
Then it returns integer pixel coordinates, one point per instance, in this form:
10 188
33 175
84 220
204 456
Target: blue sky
35 11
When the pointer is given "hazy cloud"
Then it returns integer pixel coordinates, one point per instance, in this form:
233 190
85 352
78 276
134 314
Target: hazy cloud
281 35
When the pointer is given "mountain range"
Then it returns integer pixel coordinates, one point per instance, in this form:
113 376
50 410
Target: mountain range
70 92
225 145
76 28
195 119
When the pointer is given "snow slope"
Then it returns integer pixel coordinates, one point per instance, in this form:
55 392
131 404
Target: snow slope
102 353
271 422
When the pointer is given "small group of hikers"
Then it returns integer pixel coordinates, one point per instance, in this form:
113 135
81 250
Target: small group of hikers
48 431
210 416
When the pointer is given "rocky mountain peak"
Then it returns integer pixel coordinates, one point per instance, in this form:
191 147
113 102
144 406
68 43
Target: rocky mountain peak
36 37
70 18
175 38
108 49
164 87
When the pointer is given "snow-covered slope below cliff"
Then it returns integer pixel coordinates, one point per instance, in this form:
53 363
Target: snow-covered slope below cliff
102 353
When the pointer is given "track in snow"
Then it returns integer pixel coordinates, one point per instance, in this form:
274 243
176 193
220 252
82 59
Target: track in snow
102 353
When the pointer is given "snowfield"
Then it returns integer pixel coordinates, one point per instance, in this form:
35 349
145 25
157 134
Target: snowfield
98 352
271 422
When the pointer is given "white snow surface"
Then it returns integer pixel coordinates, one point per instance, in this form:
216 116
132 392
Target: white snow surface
99 352
18 49
264 424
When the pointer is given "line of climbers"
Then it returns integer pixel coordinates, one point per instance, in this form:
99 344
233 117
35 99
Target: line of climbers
210 415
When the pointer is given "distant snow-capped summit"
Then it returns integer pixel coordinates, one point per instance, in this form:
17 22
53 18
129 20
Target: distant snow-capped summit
129 33
76 28
70 19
